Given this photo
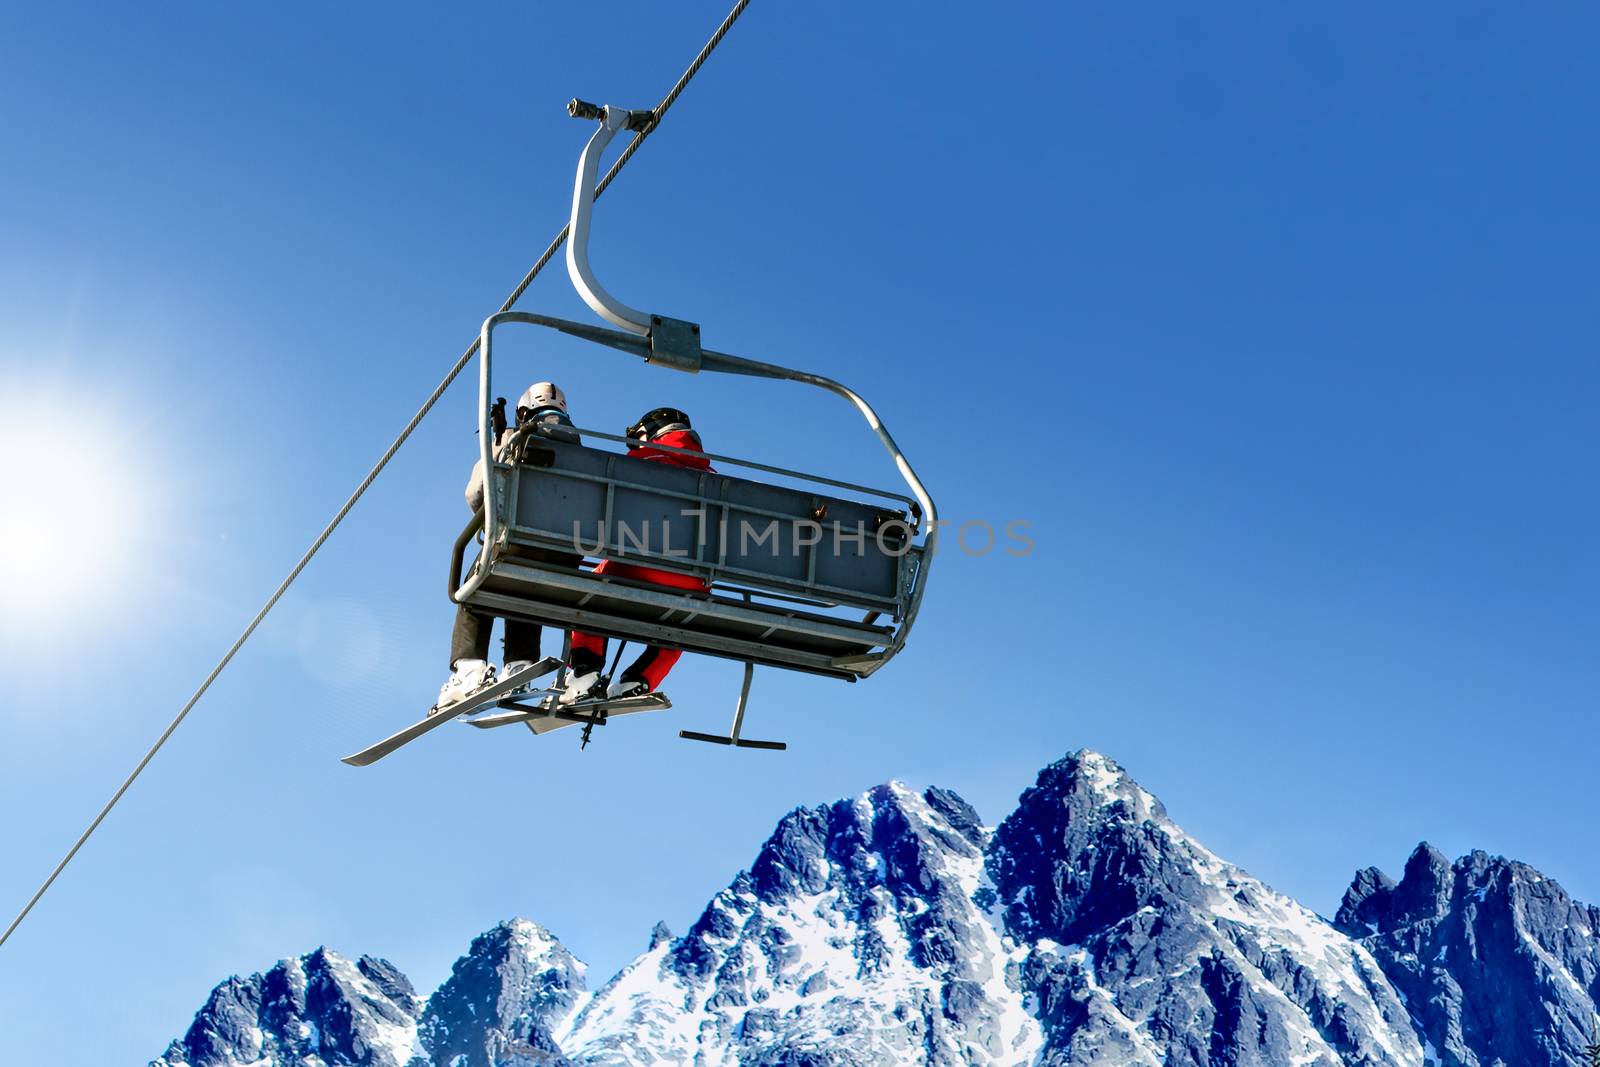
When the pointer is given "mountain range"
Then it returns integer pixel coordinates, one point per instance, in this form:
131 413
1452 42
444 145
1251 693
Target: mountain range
896 927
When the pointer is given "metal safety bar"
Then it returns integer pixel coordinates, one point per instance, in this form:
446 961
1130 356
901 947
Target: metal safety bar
888 494
713 361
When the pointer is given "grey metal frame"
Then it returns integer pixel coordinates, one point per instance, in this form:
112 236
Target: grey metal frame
499 486
495 578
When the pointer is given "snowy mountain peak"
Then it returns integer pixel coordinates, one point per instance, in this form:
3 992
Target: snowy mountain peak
503 1000
317 1008
539 948
890 829
1498 963
852 938
1083 811
1147 948
1102 778
894 927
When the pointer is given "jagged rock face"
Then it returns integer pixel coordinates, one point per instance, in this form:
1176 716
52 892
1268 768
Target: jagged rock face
1146 948
1497 963
320 1008
853 939
894 928
503 999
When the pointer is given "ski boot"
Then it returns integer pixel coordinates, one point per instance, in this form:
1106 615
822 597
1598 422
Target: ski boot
468 677
512 668
627 687
591 685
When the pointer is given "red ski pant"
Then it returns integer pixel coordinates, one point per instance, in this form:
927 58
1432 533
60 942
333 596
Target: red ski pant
589 650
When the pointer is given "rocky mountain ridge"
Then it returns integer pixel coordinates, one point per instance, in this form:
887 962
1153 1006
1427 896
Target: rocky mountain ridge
1499 964
895 927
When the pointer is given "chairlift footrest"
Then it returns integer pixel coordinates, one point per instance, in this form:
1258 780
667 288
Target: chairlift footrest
583 712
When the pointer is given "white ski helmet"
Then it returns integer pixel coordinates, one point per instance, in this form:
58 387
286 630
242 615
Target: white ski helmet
543 395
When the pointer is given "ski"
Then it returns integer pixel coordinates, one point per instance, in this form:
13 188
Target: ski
491 694
543 719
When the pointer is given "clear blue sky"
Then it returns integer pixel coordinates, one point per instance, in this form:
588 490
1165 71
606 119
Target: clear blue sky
1279 326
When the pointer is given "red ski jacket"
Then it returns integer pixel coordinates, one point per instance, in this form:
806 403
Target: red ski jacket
674 439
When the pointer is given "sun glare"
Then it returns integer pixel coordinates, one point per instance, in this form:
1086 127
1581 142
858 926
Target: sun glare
66 509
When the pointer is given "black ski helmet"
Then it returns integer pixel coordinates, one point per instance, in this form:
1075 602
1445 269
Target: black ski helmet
657 421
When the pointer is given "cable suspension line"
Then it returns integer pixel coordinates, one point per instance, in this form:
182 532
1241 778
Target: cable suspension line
383 461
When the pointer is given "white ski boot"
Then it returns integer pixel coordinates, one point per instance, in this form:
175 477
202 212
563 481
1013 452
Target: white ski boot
588 686
469 676
627 687
512 668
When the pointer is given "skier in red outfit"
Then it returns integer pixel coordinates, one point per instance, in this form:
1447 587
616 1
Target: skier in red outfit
661 426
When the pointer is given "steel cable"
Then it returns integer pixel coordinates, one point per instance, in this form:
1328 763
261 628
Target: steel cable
383 461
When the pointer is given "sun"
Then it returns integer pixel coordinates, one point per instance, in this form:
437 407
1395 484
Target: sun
66 511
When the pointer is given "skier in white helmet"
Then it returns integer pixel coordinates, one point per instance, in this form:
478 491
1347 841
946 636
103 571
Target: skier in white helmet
541 412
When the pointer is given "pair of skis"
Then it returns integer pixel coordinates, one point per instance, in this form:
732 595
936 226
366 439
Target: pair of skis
538 709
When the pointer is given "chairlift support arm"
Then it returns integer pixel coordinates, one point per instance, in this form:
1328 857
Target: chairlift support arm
594 294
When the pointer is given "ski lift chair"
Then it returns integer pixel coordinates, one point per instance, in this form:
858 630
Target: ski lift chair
818 575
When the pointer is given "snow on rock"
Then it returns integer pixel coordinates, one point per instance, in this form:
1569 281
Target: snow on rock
1147 948
853 938
895 928
503 999
1498 963
319 1009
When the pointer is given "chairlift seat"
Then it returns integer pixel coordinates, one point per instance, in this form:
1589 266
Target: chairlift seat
796 578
